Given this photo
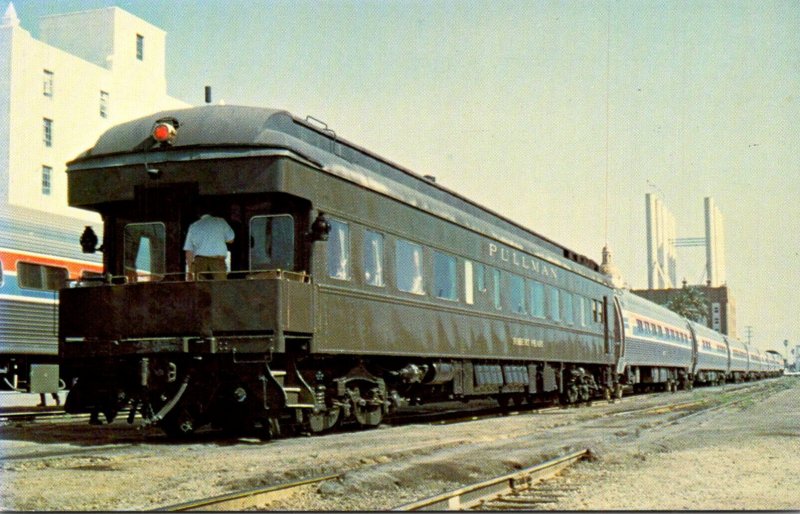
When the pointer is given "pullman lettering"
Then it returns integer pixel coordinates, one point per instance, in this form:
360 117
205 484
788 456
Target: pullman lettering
522 260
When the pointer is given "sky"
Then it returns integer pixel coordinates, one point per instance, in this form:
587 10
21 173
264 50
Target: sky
559 115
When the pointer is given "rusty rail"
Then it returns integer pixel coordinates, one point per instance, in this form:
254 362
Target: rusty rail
474 494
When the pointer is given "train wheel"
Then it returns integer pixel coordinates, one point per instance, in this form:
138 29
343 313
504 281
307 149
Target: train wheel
268 428
571 395
584 393
322 421
367 407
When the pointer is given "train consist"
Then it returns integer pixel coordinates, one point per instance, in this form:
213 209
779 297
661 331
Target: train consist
37 250
354 286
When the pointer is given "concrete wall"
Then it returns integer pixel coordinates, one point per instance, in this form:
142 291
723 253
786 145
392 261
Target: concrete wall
81 68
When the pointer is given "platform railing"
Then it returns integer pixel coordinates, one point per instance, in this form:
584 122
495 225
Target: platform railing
135 276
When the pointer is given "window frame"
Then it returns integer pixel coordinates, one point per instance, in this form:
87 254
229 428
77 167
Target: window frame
554 303
417 285
568 310
291 267
48 80
379 278
452 275
346 247
538 302
104 102
139 47
469 282
47 136
47 180
497 293
50 277
517 291
154 272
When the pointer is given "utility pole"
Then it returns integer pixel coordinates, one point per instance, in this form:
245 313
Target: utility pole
786 346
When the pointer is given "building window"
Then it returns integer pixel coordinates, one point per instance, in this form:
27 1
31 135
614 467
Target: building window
140 47
409 267
47 173
103 104
373 258
339 250
48 132
48 83
444 276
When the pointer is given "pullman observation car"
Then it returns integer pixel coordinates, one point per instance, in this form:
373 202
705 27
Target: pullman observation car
354 286
37 256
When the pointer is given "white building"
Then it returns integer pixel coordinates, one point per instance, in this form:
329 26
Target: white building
90 70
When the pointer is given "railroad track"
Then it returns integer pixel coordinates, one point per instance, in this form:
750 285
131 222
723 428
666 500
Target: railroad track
248 499
528 489
253 498
31 415
514 489
476 494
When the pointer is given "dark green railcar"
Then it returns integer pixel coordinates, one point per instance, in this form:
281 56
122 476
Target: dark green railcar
353 284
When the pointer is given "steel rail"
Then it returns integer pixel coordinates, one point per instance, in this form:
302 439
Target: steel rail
242 500
33 414
474 494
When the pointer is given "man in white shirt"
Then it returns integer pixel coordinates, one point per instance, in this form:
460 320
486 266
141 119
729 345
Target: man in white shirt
206 248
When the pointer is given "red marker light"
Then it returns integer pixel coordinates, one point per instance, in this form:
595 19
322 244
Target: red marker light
163 132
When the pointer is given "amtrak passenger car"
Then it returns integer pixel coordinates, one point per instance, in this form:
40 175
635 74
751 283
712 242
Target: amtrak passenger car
40 250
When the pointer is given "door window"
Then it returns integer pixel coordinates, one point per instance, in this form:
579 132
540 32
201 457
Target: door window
145 251
272 243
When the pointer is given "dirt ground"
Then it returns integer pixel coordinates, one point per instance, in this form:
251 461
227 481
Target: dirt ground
738 457
742 458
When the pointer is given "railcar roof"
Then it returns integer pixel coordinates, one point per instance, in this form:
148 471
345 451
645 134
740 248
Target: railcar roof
261 128
635 303
41 232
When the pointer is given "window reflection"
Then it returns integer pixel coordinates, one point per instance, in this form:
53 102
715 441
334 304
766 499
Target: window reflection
339 250
373 258
444 276
409 267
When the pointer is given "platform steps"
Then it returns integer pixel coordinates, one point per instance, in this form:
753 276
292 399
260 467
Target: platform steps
296 396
